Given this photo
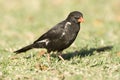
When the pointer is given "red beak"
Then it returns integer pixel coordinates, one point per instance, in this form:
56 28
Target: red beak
80 20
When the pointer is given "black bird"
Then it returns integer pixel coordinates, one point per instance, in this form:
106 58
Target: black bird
60 37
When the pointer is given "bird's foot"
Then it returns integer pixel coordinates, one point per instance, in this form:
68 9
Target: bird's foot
61 57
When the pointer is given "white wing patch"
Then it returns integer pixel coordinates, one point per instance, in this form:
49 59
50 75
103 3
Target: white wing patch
66 25
46 41
63 33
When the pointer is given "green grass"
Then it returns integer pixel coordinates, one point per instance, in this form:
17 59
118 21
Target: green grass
23 21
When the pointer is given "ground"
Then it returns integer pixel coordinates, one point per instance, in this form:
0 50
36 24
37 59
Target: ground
95 54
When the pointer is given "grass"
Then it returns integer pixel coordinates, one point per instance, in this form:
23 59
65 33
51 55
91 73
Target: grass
89 58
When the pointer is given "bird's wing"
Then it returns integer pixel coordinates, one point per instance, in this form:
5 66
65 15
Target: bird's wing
53 33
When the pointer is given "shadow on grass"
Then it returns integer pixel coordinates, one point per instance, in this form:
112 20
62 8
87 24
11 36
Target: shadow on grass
82 53
85 52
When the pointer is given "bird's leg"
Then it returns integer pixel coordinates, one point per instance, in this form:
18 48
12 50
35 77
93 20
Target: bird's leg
59 55
48 57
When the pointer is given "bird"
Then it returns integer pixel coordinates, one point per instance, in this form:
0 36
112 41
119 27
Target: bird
59 37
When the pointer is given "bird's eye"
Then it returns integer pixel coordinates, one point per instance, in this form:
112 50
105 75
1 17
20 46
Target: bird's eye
77 17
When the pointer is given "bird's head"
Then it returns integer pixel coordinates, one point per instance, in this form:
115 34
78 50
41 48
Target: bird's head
75 16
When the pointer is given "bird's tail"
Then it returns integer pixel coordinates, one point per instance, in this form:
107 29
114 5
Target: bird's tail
24 49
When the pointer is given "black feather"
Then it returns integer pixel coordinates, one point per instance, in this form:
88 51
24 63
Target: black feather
24 49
